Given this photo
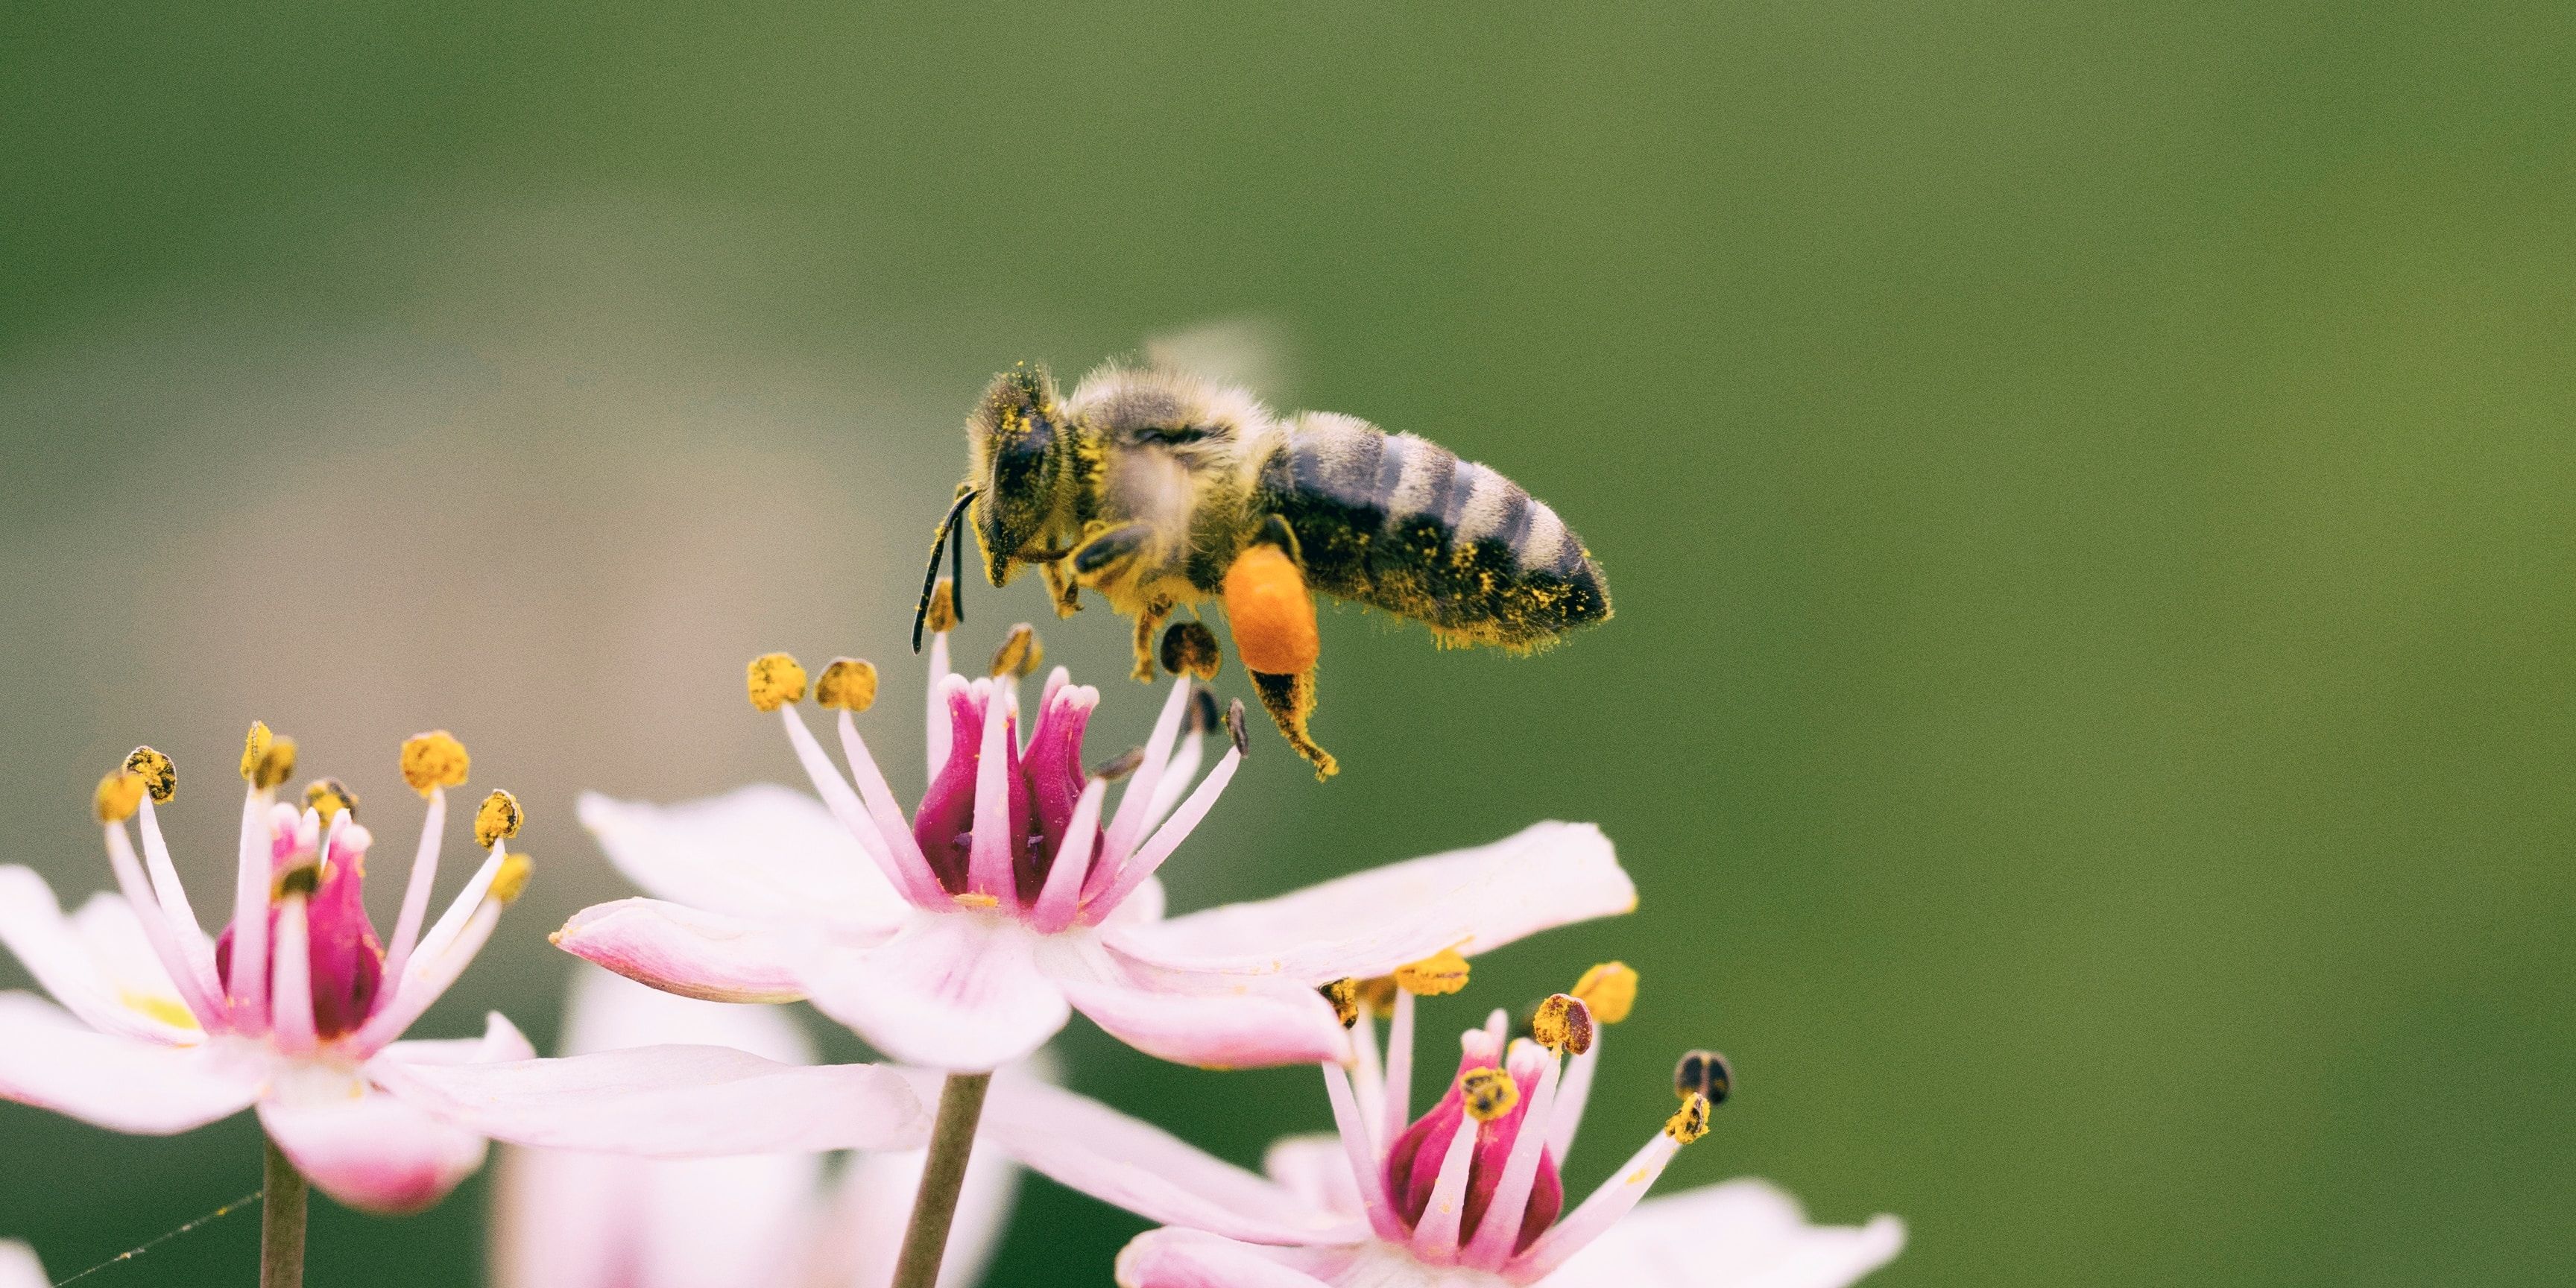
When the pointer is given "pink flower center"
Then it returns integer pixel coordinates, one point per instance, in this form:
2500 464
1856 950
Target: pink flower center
347 959
1413 1164
1043 785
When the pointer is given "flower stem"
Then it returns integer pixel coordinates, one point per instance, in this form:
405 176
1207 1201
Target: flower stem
934 1206
281 1224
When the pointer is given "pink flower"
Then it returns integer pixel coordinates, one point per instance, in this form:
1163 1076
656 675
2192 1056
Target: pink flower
1467 1195
296 1008
575 1220
962 937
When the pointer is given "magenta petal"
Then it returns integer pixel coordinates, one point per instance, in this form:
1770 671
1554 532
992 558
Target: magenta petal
947 812
347 960
1053 772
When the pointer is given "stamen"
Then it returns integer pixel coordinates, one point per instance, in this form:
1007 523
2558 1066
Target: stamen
1435 1235
1437 975
1398 1108
1488 1093
496 819
1020 655
1344 994
1690 1122
292 1013
268 759
943 607
118 796
175 909
1610 990
1563 1024
883 833
1060 898
1120 765
1234 727
1366 1173
1705 1074
328 797
989 843
433 760
1190 647
160 777
1127 826
775 680
848 683
512 880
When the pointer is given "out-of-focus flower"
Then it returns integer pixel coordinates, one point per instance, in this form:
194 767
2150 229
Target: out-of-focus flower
962 937
19 1267
563 1219
1465 1195
296 1007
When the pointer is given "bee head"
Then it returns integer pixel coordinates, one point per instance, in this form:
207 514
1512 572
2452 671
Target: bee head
1019 447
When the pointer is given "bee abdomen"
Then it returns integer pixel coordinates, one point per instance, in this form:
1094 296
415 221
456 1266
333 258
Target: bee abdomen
1402 523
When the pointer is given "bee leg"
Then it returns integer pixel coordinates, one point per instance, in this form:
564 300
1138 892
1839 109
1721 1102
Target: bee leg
1148 621
1061 588
1290 700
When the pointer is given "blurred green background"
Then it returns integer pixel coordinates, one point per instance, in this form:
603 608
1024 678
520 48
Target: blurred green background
2087 491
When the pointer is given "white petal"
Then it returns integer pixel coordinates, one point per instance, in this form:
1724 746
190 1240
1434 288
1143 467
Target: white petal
764 853
1742 1234
1315 1168
873 1203
958 991
49 1059
610 1013
684 950
1091 1147
1191 1259
1369 923
1212 1021
364 1147
19 1267
668 1102
61 955
563 1219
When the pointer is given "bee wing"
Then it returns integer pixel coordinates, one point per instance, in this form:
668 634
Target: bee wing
1252 353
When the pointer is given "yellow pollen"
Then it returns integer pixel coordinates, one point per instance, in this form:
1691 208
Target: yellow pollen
943 607
1488 1093
511 880
168 1010
979 902
1610 989
118 796
160 777
1437 975
848 683
496 818
433 760
1020 654
268 759
1344 994
1378 993
329 796
1563 1024
1690 1122
1191 647
775 681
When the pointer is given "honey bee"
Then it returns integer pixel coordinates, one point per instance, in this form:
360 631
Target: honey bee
1158 489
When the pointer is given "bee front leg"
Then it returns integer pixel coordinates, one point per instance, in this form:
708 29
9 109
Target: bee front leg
1061 587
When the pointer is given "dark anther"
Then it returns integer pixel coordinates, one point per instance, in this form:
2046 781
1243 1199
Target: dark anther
1705 1072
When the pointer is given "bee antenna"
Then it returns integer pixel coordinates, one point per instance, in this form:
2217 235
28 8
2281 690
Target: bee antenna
949 536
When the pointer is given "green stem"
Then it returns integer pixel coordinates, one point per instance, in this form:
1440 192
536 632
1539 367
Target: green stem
281 1224
934 1205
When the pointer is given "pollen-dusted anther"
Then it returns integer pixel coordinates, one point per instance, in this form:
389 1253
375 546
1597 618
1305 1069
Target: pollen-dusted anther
329 796
1610 989
1234 728
1204 713
775 680
1488 1093
1378 993
943 608
1191 647
1563 1024
1344 994
497 817
118 796
303 879
1120 765
268 759
160 777
433 760
847 684
1020 654
1705 1074
510 880
1437 975
1690 1122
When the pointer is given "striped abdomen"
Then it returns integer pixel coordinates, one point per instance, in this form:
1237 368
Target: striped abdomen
1400 522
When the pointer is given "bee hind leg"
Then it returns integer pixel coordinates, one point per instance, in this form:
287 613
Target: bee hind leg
1149 620
1290 700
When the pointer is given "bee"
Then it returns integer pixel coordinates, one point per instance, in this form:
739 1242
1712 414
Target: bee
1158 490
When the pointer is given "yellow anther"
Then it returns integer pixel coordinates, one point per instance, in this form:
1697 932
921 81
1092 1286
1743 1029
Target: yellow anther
160 777
1378 993
329 796
497 817
1488 1093
1705 1074
1437 975
303 879
268 759
512 879
943 607
977 900
775 681
1563 1024
119 795
1690 1122
1610 989
1021 652
1344 994
849 684
1191 647
433 760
